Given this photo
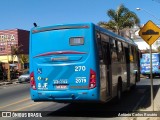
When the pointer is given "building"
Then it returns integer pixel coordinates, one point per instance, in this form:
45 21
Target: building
10 39
133 33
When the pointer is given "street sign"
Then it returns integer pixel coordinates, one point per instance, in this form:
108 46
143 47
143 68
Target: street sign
149 32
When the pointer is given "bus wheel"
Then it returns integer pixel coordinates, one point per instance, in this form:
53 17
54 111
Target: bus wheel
119 89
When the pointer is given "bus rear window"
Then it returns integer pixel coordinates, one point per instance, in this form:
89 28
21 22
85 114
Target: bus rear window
76 41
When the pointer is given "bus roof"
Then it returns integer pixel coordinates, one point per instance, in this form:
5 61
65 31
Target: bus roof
60 26
112 34
81 25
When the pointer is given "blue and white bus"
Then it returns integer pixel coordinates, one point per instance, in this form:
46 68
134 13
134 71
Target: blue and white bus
80 63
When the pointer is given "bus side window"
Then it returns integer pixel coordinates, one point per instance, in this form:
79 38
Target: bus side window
135 55
120 52
131 51
114 50
99 46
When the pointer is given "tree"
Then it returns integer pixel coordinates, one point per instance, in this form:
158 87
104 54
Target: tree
120 19
24 59
16 51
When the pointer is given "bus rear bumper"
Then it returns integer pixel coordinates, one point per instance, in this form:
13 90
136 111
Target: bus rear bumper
67 96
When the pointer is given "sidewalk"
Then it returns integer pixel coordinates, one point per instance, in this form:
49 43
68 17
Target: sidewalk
156 108
150 109
6 82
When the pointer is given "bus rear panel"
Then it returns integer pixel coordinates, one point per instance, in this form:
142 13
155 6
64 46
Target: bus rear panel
63 64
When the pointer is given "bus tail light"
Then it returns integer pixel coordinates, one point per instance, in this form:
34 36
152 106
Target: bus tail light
92 80
32 81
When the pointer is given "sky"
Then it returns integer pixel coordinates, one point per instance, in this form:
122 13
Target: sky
22 14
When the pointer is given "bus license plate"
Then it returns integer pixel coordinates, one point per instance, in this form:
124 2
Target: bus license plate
62 87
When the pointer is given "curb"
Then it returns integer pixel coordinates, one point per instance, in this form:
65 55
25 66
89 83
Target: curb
7 83
1 84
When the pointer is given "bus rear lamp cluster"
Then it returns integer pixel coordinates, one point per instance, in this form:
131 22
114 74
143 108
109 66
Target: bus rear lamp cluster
92 80
32 81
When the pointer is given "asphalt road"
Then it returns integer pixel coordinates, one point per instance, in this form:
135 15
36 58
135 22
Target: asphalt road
16 98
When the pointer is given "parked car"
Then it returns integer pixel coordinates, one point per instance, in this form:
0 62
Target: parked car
25 77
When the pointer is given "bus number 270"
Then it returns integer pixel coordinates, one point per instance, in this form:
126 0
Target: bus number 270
80 68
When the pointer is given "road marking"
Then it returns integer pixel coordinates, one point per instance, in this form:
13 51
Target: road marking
27 106
15 102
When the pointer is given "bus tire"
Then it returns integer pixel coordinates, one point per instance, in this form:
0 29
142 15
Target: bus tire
119 89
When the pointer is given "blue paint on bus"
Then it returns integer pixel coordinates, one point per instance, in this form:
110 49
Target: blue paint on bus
64 62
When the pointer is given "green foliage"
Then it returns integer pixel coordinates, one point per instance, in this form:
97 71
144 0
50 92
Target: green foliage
16 51
24 58
120 19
